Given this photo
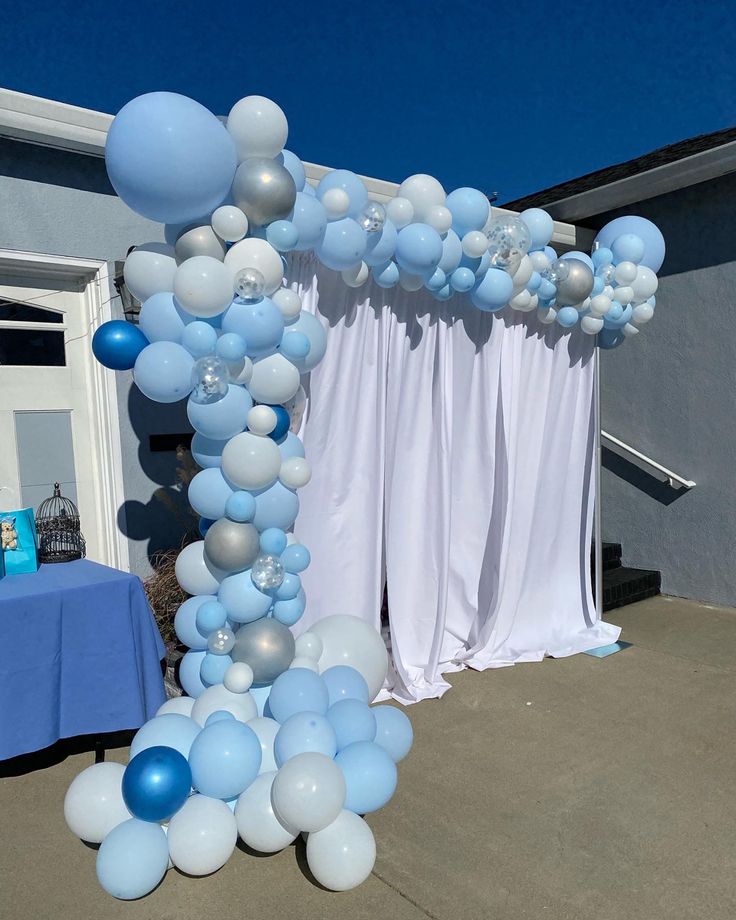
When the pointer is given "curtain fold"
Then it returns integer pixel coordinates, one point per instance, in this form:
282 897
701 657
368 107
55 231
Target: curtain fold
451 453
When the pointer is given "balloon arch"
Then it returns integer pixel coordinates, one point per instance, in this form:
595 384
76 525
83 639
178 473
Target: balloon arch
276 735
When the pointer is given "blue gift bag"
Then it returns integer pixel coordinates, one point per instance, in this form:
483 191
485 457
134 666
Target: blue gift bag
19 547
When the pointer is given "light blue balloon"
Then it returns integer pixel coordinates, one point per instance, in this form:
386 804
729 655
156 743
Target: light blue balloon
615 312
199 339
452 252
225 759
219 715
295 558
261 324
494 291
240 507
189 677
462 279
419 249
242 600
582 256
289 587
444 293
619 318
343 244
598 285
160 320
132 859
282 235
290 611
550 253
171 729
627 248
297 690
260 694
386 275
345 683
291 446
302 733
294 345
436 281
352 720
211 615
209 492
185 622
381 245
394 732
546 289
231 347
213 667
348 182
169 158
533 283
567 317
163 372
541 227
273 541
293 165
276 506
469 208
310 219
206 451
222 419
308 324
649 233
602 256
370 776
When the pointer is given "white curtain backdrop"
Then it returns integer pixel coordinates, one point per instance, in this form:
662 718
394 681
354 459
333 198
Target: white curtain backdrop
452 457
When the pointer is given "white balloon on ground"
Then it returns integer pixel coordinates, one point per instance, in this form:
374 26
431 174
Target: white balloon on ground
230 223
259 254
423 192
203 286
257 824
266 730
341 856
308 792
94 804
194 572
350 641
241 705
274 380
202 835
133 859
250 461
258 126
150 269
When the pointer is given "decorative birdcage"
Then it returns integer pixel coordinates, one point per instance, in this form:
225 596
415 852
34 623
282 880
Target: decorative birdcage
59 535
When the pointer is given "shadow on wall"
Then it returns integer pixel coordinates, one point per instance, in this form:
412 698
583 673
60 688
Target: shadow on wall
639 478
54 167
166 518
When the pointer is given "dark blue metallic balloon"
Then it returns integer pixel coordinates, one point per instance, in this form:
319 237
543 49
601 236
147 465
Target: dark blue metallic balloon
283 420
117 344
156 783
204 525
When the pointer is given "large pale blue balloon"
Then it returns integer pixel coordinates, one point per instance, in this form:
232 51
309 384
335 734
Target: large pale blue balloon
209 492
242 600
343 244
298 690
132 859
189 676
469 208
349 183
163 372
540 225
649 233
370 776
169 158
207 451
276 506
312 328
304 732
381 246
419 249
351 720
261 324
310 219
345 683
494 291
291 611
160 319
394 732
222 419
452 252
291 447
199 339
225 759
581 256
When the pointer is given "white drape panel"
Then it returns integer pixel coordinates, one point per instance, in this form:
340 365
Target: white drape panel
452 455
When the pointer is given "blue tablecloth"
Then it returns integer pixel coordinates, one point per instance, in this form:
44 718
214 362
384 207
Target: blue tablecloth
80 654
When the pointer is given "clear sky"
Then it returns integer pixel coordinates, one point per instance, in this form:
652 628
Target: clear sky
507 97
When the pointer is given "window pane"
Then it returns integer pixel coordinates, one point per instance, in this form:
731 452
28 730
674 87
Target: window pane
27 313
37 347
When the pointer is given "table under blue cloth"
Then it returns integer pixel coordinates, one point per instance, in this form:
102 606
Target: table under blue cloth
80 654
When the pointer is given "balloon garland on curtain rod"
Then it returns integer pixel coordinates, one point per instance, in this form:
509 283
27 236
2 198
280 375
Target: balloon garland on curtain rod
276 735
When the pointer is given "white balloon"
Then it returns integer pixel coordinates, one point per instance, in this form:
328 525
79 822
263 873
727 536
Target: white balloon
195 573
150 269
608 292
295 472
203 286
308 792
630 330
409 282
600 305
522 301
400 211
303 661
351 641
258 126
275 380
645 284
241 372
289 302
440 218
475 244
539 260
250 461
259 254
230 223
168 730
241 705
266 730
336 202
94 804
309 645
591 325
261 420
342 855
522 273
642 313
356 276
238 677
202 835
625 272
423 192
547 316
180 705
258 826
623 294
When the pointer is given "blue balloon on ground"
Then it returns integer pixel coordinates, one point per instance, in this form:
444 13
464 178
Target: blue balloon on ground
540 225
132 859
419 249
170 730
213 667
199 339
231 347
312 328
370 776
207 451
189 676
225 759
223 419
276 506
349 183
343 244
345 683
291 446
282 235
469 208
394 732
352 720
295 558
273 540
293 165
494 291
381 245
156 783
160 319
298 690
291 611
209 492
240 507
211 615
648 233
117 344
304 732
283 421
185 622
163 372
260 324
294 345
242 600
310 219
169 158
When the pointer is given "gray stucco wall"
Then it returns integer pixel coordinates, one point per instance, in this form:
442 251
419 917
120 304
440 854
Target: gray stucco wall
61 203
670 393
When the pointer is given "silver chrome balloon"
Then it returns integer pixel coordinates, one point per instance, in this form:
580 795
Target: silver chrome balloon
231 546
577 285
264 190
267 646
199 241
210 380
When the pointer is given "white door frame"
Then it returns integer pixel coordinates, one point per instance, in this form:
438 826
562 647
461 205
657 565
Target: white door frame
93 278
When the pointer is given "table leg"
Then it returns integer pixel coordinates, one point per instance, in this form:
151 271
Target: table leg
99 750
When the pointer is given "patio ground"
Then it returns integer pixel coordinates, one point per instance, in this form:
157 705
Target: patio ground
587 788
